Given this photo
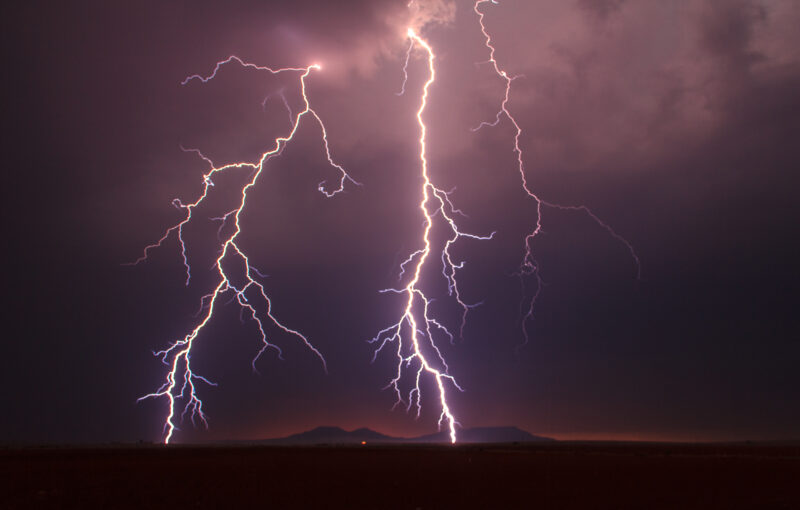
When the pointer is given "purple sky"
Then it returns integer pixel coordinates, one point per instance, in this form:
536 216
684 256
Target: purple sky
675 122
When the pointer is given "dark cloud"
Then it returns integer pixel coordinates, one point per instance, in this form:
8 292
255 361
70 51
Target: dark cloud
601 9
728 30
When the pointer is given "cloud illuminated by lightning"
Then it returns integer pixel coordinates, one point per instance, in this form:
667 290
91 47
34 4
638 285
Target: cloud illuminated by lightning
529 266
180 380
415 333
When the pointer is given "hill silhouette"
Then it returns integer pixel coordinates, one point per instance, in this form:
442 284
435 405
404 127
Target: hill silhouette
484 435
337 435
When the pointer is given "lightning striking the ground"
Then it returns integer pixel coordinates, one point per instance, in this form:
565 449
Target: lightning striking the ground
529 267
415 333
180 382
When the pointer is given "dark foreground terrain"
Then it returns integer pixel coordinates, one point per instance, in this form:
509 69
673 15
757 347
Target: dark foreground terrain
540 476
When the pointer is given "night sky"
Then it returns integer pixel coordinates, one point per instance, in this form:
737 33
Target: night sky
675 122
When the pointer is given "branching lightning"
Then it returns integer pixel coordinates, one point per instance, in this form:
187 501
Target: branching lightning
529 267
415 334
180 381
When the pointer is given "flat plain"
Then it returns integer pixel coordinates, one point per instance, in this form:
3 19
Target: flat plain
560 475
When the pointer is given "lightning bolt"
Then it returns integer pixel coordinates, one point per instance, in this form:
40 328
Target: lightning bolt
417 334
180 382
414 334
529 267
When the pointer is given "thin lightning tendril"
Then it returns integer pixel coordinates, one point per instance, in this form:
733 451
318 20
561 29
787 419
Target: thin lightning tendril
180 380
416 324
529 266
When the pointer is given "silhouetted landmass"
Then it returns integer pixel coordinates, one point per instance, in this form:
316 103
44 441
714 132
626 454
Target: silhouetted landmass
484 435
336 435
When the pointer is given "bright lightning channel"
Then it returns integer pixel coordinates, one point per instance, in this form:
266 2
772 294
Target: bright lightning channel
416 325
180 380
529 266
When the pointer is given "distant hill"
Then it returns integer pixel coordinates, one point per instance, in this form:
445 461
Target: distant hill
484 435
337 435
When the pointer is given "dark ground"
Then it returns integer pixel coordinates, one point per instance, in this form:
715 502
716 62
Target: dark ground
561 475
